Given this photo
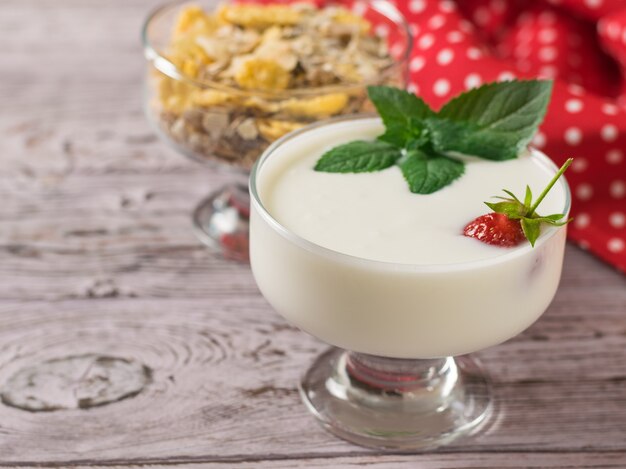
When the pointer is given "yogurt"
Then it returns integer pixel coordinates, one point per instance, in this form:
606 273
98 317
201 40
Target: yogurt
362 263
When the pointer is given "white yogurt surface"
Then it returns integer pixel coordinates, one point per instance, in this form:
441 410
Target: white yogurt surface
375 216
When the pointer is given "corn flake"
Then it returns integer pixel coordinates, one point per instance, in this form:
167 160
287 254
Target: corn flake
194 21
260 16
209 98
319 106
271 129
262 74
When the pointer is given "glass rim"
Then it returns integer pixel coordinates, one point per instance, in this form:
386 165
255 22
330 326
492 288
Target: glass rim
315 248
165 66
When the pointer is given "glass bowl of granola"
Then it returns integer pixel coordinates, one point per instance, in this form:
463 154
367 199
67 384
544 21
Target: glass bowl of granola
226 79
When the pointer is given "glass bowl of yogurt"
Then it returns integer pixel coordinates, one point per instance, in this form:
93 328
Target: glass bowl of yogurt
225 79
387 278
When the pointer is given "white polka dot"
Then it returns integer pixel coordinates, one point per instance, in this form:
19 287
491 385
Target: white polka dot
414 29
613 30
573 105
573 136
617 220
584 191
617 189
359 8
474 53
397 49
473 80
417 6
455 37
574 40
610 109
441 87
548 71
498 6
547 17
582 220
436 21
413 88
583 244
445 56
576 90
525 34
417 63
426 41
524 18
382 30
614 156
624 36
615 245
547 35
522 50
574 60
447 6
482 16
575 77
539 140
506 76
503 49
593 3
547 54
608 133
466 26
579 164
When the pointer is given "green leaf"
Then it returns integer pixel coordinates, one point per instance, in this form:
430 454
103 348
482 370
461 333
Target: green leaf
511 208
402 112
532 229
428 173
512 195
528 198
358 157
495 121
554 220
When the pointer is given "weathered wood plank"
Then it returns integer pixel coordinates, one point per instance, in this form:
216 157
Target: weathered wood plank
431 461
224 377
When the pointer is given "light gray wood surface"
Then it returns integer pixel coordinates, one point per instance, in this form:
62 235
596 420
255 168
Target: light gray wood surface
97 257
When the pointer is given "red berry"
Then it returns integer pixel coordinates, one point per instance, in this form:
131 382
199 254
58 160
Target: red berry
497 229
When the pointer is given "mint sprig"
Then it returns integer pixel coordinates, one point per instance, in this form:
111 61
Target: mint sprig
493 122
526 212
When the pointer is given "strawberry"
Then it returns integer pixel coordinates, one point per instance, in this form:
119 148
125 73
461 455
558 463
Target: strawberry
512 220
495 228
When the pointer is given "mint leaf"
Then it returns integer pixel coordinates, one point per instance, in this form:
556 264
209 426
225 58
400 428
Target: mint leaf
402 112
495 121
358 157
428 173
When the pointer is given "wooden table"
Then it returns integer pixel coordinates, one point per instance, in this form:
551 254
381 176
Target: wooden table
97 259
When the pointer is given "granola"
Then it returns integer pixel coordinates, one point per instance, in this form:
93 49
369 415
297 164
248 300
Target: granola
252 73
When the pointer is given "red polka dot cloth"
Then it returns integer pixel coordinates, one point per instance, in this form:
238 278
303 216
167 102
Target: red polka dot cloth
579 43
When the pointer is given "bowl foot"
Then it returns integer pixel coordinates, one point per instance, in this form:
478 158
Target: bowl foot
221 221
397 404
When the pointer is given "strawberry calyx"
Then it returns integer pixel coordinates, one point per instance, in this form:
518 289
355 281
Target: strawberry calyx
523 213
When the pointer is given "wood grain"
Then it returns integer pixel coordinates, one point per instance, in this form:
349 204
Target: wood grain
97 257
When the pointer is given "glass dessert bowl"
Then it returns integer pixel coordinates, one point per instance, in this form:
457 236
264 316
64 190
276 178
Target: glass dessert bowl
398 377
225 80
